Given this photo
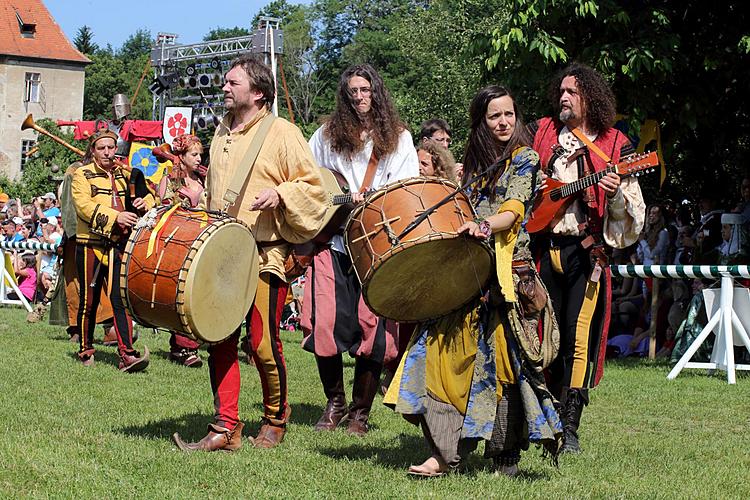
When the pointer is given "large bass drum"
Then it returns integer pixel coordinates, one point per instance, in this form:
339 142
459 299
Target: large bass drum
199 277
427 273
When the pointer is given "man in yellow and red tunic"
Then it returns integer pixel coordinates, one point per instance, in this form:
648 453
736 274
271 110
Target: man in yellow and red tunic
283 202
100 190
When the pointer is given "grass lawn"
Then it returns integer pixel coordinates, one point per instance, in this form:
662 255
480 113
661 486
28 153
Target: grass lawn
69 431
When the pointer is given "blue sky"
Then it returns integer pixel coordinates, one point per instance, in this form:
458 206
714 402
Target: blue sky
113 21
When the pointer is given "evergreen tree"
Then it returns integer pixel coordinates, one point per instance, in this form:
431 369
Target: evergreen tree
84 40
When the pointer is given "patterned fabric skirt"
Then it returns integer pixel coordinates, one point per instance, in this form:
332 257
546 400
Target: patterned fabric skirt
508 413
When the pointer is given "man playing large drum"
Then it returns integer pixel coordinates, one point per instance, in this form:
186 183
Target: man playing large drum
366 142
282 201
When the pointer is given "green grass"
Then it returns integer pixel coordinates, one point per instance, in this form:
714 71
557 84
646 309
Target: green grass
69 431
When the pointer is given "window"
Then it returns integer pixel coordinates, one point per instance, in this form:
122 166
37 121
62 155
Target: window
33 82
26 146
27 29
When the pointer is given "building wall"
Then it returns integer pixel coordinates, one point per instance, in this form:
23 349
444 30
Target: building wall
63 85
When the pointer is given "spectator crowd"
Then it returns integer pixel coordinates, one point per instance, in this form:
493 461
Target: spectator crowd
38 221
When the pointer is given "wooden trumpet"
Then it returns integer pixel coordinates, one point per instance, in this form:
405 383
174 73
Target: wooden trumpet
29 123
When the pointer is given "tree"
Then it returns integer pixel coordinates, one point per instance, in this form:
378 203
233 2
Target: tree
84 40
220 33
36 177
678 62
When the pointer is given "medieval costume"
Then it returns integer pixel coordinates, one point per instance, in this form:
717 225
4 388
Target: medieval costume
100 195
335 318
572 257
476 373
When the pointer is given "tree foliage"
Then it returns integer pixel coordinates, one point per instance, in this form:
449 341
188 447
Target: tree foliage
682 63
678 62
37 175
220 33
84 40
119 72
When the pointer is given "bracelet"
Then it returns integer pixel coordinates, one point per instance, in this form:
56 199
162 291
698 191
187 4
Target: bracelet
485 229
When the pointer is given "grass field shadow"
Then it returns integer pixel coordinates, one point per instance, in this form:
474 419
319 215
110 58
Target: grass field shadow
101 357
409 449
400 453
191 426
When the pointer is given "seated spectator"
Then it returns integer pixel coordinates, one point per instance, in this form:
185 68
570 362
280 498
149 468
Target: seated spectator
708 234
9 230
25 267
28 212
52 234
435 160
653 247
684 246
46 207
27 231
691 327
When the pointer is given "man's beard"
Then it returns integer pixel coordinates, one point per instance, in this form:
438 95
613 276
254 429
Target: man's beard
566 115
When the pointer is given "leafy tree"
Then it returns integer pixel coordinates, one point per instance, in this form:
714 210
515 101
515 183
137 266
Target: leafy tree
678 62
84 40
37 175
219 33
104 79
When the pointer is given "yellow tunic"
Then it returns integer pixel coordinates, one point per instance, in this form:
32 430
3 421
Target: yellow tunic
92 197
285 164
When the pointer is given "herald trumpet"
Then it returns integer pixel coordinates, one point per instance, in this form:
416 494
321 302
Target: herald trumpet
29 123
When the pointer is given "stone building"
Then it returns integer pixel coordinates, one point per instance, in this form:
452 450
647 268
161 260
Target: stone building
41 73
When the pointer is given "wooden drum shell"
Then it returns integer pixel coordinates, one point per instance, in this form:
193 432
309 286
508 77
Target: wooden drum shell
433 270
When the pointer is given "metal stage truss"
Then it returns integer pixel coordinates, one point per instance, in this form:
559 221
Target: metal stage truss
192 74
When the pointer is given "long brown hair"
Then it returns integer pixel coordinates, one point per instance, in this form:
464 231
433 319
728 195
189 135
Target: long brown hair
599 105
344 127
483 148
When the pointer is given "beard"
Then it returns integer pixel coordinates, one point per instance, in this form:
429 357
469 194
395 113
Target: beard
567 115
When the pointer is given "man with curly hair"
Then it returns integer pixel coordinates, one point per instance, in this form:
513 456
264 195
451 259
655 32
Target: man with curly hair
365 141
572 250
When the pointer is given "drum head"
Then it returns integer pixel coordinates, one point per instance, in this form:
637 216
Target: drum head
429 280
221 282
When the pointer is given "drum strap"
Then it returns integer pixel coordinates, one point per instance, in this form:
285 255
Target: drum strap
248 162
370 172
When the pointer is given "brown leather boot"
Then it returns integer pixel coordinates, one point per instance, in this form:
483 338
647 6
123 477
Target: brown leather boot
366 384
335 410
269 435
218 439
110 337
134 362
331 371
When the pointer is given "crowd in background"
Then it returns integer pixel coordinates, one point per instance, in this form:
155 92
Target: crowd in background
38 221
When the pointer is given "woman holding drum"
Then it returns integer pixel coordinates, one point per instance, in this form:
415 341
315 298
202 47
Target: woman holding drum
474 373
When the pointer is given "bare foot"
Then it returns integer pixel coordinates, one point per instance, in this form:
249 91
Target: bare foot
433 466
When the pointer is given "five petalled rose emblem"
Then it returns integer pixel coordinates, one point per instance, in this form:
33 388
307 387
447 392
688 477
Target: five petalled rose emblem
177 124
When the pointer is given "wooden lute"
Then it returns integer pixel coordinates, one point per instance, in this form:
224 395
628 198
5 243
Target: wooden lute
556 195
338 205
